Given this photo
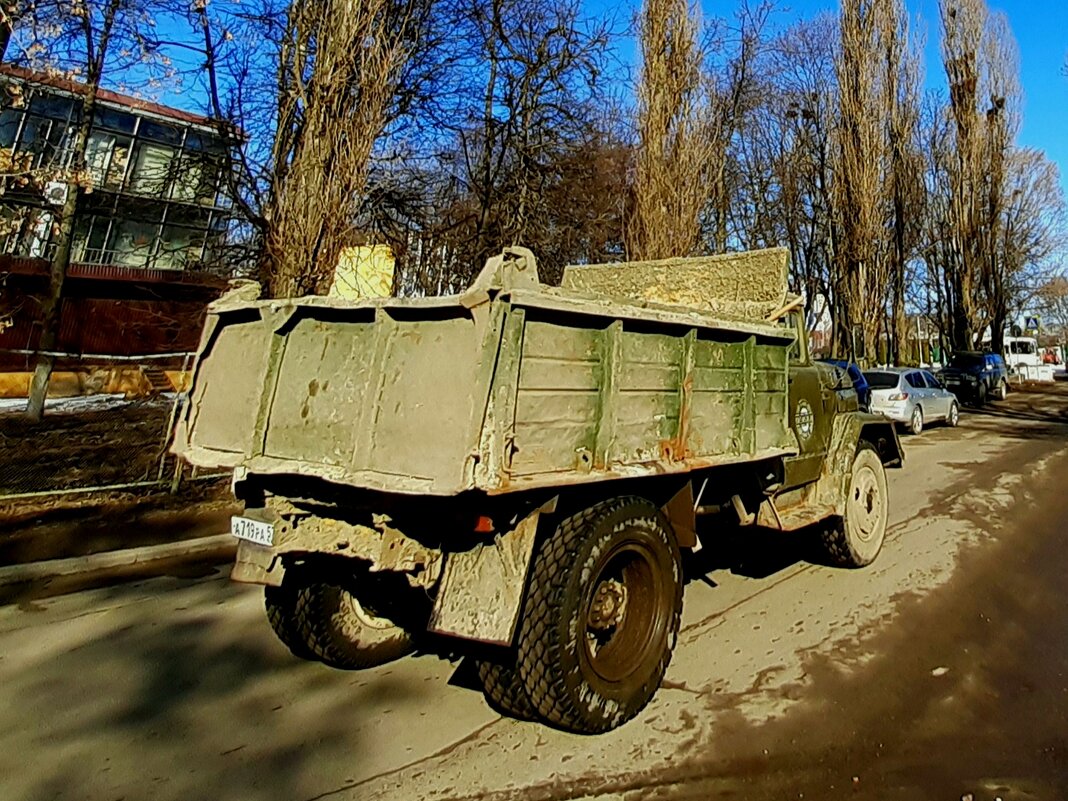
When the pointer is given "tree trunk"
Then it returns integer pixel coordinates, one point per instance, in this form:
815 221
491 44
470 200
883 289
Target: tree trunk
54 301
64 239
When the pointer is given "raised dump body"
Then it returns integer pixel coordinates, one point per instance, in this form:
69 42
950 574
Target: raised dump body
524 466
511 386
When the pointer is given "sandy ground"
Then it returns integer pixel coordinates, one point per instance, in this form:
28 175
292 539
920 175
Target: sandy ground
939 671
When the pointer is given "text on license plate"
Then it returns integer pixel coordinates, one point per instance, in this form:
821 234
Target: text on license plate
252 530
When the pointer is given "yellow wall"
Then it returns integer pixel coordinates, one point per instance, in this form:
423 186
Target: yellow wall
93 381
364 272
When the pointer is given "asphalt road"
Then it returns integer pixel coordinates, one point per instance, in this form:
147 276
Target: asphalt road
941 671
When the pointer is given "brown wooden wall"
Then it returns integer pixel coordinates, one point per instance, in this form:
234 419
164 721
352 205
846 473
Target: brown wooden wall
112 311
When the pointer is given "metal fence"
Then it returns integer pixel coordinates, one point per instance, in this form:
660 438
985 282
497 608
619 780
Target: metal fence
98 441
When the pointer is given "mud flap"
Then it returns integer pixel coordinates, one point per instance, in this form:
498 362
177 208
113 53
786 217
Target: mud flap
257 565
481 590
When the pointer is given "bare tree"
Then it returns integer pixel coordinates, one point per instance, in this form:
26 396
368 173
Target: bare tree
1051 300
312 86
1032 239
1000 128
963 25
677 148
783 156
904 191
860 161
733 96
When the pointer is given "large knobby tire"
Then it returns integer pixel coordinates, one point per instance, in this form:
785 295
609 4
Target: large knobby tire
855 539
288 616
504 689
347 635
602 616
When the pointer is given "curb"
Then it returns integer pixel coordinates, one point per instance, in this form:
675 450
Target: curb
54 568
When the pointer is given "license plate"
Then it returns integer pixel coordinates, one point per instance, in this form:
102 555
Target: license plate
252 530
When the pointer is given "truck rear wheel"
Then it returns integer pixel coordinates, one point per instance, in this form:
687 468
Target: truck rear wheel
318 615
286 612
504 689
602 616
348 635
855 539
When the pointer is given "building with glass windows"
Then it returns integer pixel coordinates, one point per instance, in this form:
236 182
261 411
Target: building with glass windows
151 226
157 199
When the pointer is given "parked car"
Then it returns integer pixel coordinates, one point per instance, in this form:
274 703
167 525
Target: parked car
911 396
976 377
860 383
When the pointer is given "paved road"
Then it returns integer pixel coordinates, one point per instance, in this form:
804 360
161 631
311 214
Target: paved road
941 670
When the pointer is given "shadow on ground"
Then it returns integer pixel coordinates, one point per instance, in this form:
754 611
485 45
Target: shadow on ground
175 699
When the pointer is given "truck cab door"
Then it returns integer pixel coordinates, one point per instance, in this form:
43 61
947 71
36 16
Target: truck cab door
813 403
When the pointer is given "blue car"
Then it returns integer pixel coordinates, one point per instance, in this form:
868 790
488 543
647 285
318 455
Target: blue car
860 383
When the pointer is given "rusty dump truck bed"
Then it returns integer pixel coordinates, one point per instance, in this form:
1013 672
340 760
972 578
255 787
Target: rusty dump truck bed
511 385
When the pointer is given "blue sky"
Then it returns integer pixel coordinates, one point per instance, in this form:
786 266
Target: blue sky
1041 30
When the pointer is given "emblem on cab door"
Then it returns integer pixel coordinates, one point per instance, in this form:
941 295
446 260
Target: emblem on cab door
803 419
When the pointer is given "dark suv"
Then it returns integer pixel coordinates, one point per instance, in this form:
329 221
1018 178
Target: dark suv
976 377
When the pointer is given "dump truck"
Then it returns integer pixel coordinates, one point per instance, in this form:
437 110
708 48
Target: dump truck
516 473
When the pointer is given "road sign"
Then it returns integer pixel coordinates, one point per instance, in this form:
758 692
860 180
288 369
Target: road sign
1032 323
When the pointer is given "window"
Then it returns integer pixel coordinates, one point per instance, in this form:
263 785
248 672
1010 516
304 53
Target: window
132 242
179 247
932 382
1022 347
98 152
12 223
915 380
52 106
195 178
195 140
90 238
9 126
966 361
106 156
883 380
114 120
25 231
151 170
158 132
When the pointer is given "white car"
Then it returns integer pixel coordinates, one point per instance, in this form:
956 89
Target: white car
912 397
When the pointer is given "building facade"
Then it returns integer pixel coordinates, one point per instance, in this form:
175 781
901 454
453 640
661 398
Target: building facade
156 175
150 229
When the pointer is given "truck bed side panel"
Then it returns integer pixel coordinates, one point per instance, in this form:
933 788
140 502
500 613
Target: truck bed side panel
601 396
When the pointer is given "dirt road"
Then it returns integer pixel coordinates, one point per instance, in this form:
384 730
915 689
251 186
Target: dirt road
940 671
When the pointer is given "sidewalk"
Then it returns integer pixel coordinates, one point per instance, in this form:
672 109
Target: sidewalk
54 548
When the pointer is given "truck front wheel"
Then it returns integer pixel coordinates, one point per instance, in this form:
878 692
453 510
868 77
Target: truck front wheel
855 539
602 616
